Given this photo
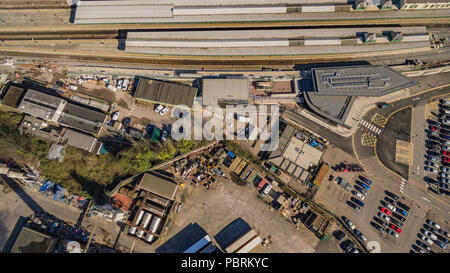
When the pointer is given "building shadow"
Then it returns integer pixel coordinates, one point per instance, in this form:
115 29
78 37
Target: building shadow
35 207
14 233
329 64
183 239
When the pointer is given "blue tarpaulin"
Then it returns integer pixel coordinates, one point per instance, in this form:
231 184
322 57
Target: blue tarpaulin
313 143
47 185
230 153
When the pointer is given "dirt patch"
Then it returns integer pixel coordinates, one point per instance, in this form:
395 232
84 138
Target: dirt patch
123 104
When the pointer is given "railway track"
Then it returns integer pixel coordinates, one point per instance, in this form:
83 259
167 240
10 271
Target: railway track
41 4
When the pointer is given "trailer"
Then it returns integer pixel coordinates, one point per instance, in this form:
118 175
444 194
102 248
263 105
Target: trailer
241 241
250 245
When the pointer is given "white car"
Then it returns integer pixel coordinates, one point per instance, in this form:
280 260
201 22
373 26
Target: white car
158 108
164 111
359 195
391 232
391 207
384 216
426 240
115 116
349 223
430 234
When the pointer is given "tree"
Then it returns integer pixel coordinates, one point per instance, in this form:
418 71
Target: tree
185 146
167 153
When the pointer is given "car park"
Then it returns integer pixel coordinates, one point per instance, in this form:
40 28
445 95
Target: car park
443 180
432 158
360 235
431 164
354 206
383 216
366 187
377 226
391 207
444 169
358 194
392 233
356 201
425 239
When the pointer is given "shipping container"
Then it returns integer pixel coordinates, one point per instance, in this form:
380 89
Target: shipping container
250 245
198 245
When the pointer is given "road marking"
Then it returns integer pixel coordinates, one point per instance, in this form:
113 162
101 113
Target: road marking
416 99
424 198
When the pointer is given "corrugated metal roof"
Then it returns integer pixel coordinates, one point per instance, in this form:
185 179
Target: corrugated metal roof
225 90
158 184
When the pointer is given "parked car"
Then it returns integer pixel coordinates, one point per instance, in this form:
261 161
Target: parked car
443 180
429 234
432 158
379 221
422 245
383 216
403 206
339 234
360 235
354 206
442 245
433 224
425 239
446 175
361 190
164 111
115 116
347 246
391 232
444 169
397 229
158 108
358 194
418 249
365 180
356 201
386 211
427 227
431 164
366 187
430 170
402 212
390 194
377 226
446 159
348 222
443 239
389 200
443 232
399 217
396 222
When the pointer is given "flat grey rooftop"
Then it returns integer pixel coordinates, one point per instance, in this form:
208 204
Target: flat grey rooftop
82 118
364 80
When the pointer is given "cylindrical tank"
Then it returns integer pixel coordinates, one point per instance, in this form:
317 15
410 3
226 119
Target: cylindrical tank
139 218
132 230
146 220
149 237
140 233
155 224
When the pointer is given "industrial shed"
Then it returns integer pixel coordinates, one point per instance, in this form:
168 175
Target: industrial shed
42 105
217 91
170 93
158 184
82 118
12 96
81 141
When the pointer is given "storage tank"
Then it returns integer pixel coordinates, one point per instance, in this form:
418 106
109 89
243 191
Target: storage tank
132 230
146 220
149 237
139 218
155 224
140 233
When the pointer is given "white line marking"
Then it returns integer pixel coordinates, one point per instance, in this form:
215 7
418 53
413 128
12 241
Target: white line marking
426 199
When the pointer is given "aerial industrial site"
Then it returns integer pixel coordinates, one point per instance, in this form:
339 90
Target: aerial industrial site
224 126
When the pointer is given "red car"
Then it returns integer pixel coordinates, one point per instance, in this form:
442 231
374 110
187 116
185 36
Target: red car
434 129
447 153
386 211
446 159
399 230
